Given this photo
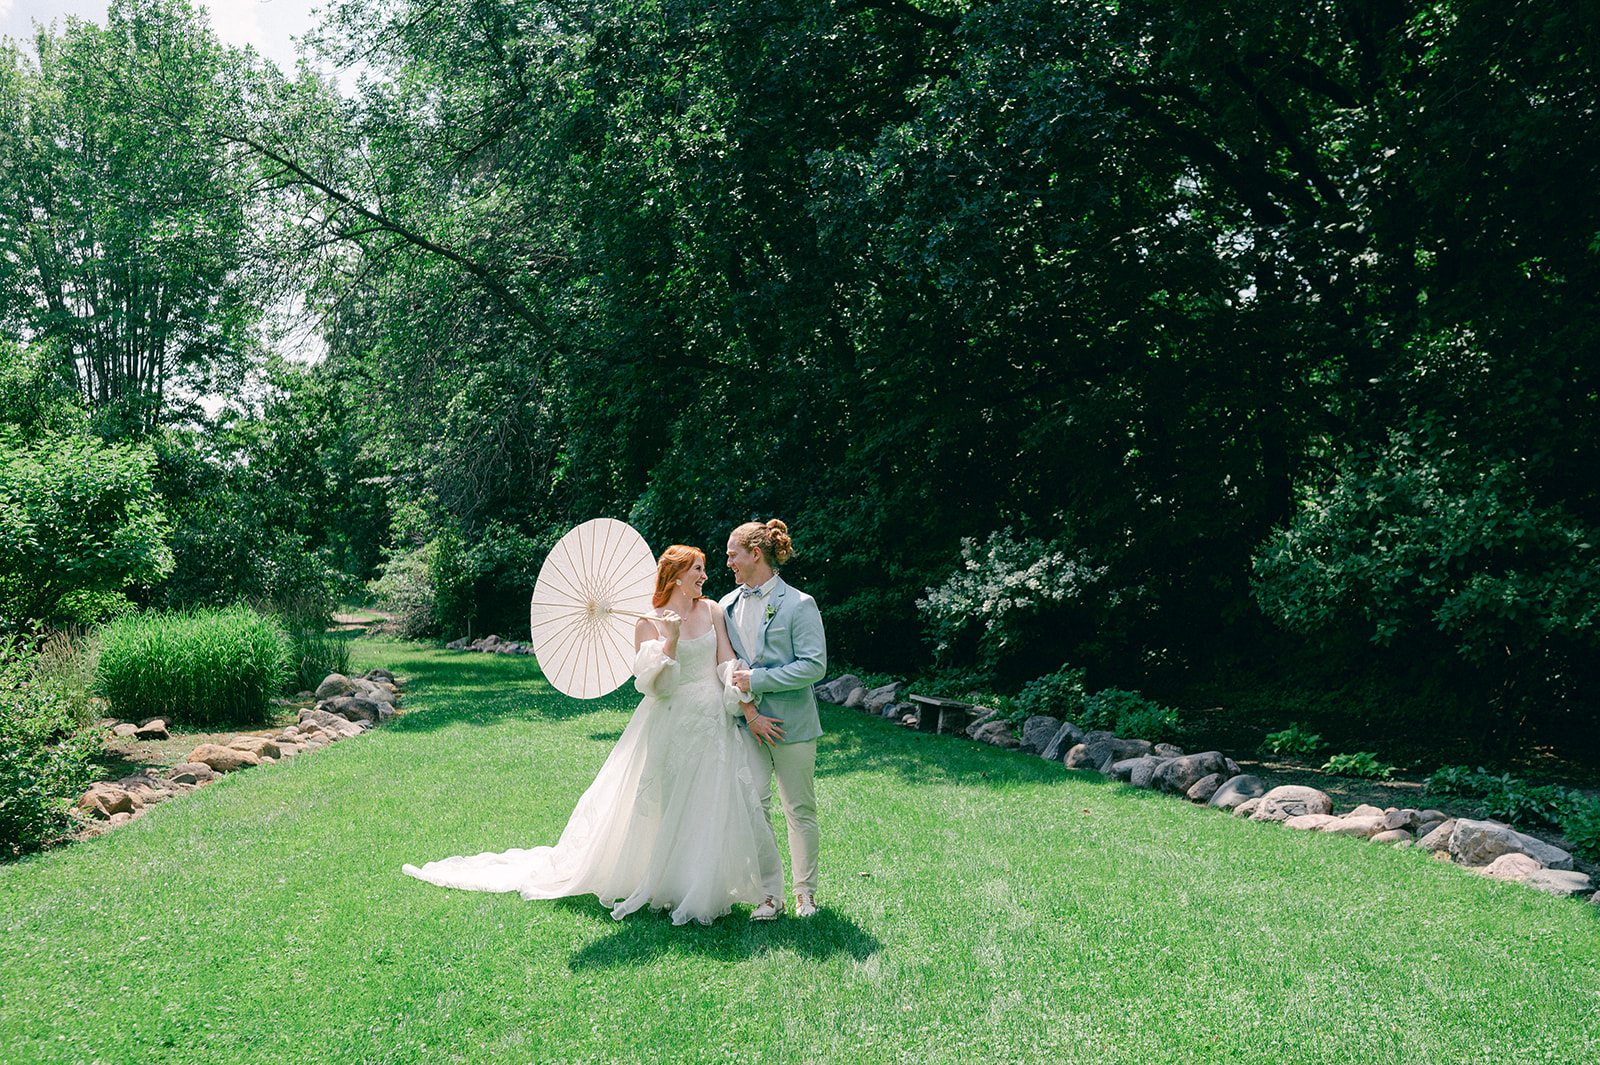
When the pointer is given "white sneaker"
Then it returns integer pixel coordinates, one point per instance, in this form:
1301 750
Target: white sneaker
805 905
769 909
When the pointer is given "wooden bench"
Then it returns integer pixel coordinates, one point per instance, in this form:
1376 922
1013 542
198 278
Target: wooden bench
944 716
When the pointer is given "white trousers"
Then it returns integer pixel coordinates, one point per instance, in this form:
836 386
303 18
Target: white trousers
795 765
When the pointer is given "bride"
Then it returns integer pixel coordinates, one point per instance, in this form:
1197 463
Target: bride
673 820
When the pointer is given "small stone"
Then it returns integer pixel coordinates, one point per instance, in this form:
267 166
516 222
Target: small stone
126 730
1390 835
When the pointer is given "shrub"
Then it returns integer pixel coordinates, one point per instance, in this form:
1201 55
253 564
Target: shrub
196 668
1360 764
1505 797
1581 826
1000 589
1131 716
44 753
406 592
1059 694
1293 741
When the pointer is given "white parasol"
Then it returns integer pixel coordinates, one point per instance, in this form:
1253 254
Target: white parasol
593 584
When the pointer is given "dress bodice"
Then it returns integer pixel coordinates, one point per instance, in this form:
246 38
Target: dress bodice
697 658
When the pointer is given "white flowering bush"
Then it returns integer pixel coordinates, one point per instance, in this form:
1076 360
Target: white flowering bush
1000 586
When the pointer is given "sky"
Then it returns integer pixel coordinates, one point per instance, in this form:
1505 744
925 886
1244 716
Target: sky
270 26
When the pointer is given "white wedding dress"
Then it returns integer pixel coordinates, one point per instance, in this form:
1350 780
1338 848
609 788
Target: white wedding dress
672 821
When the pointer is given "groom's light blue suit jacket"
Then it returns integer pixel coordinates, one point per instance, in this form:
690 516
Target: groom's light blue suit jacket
789 656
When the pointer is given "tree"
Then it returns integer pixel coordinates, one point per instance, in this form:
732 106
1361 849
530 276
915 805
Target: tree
127 240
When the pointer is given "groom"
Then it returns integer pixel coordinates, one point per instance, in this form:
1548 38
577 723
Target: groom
777 629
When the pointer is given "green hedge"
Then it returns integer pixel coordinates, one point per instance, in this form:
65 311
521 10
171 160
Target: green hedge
200 668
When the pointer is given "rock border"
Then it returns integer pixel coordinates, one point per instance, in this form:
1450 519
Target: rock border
1212 779
344 707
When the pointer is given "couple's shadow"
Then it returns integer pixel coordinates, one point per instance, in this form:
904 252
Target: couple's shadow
644 937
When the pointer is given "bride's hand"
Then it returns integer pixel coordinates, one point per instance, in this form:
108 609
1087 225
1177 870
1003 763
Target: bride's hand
667 624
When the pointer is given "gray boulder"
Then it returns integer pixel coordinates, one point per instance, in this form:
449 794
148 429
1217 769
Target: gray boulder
1291 800
1436 838
1143 774
837 690
1037 732
1178 775
1123 770
1167 750
1237 790
334 684
1563 882
1098 756
1067 737
1390 835
997 733
334 724
876 700
898 710
1481 842
1202 789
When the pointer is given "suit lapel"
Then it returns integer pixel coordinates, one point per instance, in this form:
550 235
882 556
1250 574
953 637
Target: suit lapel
735 638
773 606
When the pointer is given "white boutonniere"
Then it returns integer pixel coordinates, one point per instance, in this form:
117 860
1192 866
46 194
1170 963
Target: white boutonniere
771 610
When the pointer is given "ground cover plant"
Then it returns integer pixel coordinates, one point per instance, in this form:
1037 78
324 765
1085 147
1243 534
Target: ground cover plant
977 905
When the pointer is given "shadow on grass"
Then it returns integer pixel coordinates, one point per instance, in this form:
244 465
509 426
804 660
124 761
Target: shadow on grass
645 937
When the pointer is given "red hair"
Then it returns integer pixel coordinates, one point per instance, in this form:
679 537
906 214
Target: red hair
675 562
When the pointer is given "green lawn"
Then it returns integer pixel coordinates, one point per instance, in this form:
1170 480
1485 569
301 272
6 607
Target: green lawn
977 906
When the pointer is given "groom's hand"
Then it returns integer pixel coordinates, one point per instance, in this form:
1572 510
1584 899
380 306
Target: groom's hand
741 679
765 729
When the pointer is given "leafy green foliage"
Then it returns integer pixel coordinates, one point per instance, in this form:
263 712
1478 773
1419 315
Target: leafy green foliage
1581 826
1415 541
199 668
1132 716
45 748
1059 694
1505 797
1293 741
1359 764
128 241
79 521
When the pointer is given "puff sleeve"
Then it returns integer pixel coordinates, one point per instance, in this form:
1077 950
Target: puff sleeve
654 674
731 697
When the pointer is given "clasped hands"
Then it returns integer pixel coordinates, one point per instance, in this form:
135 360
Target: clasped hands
765 729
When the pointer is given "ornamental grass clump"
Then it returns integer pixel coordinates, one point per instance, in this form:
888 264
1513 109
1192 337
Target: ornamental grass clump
200 668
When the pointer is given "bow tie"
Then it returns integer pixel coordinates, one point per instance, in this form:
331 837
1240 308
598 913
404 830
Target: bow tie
745 592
